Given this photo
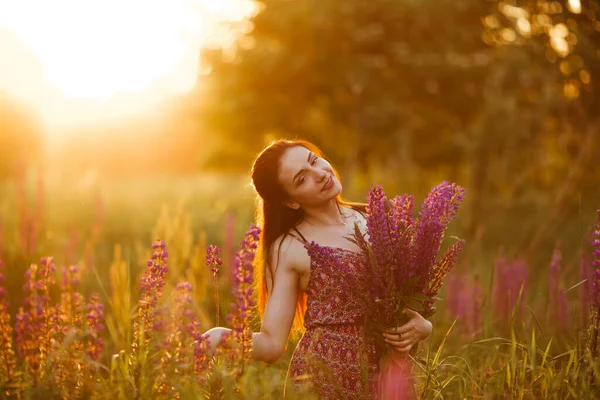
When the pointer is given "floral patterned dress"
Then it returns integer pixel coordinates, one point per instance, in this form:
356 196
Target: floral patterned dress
334 359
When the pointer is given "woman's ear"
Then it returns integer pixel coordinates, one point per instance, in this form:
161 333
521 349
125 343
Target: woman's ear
291 204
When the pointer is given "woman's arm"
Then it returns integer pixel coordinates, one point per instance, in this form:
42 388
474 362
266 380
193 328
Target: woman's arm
268 345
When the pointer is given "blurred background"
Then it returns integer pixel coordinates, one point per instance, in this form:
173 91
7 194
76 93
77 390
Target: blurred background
121 121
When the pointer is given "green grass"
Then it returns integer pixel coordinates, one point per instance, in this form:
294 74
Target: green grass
527 360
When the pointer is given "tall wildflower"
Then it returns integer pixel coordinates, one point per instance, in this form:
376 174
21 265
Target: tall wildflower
594 330
152 283
214 262
464 300
439 271
151 288
380 260
8 360
94 318
33 323
177 358
517 281
510 278
439 208
69 368
378 227
596 265
239 317
402 226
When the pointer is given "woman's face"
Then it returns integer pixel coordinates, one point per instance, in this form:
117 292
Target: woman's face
309 180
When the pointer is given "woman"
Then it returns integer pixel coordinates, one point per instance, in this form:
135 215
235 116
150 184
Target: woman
299 204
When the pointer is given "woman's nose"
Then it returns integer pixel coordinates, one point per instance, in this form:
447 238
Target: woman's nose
321 175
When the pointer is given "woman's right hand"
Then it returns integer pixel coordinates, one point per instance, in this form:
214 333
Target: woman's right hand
214 337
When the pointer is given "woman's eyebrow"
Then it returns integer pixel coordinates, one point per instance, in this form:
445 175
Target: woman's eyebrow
302 170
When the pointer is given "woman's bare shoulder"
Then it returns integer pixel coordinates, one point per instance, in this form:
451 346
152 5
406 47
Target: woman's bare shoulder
289 252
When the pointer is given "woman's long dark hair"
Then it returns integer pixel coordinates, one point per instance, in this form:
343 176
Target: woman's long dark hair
275 219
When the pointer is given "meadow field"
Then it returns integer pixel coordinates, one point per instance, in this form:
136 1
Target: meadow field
78 319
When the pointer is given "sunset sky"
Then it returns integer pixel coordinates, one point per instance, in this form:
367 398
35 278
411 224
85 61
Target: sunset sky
80 61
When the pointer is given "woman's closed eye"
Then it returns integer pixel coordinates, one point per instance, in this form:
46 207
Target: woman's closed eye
312 162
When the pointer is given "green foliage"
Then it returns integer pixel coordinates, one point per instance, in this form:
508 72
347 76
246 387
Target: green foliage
408 93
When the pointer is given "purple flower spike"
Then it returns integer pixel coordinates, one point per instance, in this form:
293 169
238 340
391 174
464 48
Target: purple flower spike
152 283
596 264
212 258
239 318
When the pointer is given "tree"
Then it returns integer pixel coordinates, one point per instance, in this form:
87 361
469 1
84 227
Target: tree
430 89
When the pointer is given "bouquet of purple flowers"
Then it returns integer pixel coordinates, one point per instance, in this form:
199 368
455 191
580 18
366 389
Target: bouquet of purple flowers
402 254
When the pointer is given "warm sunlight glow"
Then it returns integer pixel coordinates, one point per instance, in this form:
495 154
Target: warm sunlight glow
574 6
99 49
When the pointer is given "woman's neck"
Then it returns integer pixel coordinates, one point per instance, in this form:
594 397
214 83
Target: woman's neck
328 215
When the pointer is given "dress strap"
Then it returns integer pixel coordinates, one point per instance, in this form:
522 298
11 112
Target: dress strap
301 238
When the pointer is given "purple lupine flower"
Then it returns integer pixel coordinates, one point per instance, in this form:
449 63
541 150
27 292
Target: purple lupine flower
94 323
35 317
464 301
509 278
402 231
517 279
379 235
401 252
177 357
214 261
70 278
439 208
239 318
152 283
212 258
455 295
596 264
439 272
381 238
378 227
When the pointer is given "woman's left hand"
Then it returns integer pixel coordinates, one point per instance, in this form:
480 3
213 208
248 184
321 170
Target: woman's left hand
403 338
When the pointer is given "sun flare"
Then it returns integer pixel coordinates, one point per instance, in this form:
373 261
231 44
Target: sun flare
97 49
